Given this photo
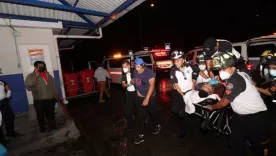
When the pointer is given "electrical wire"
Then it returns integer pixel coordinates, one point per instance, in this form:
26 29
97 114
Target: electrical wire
15 34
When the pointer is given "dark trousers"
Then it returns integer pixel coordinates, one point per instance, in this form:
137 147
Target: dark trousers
252 128
8 117
129 108
144 112
178 107
45 108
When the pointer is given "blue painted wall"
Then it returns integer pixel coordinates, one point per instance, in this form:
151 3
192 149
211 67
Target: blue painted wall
19 101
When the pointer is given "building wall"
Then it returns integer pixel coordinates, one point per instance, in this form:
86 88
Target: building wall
13 74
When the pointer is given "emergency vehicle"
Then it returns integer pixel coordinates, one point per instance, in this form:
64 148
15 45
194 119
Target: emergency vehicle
157 60
251 50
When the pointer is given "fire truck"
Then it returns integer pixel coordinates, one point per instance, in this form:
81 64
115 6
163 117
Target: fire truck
157 59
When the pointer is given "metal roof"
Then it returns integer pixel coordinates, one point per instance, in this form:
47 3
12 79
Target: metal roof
79 17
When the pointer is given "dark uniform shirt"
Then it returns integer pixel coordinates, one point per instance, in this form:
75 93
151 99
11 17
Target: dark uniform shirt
234 86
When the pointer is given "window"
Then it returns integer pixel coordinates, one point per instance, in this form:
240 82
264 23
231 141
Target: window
116 63
190 56
257 50
147 59
238 49
93 65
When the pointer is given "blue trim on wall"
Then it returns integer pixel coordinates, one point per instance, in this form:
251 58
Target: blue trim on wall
54 6
19 100
56 75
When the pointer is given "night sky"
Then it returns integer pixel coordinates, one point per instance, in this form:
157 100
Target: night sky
184 24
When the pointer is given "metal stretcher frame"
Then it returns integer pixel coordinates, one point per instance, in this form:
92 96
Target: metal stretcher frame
216 114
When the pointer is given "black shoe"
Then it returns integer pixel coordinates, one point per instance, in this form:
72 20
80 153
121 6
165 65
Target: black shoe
12 135
139 139
157 129
181 135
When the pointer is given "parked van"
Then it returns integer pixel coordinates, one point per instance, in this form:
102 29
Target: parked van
157 60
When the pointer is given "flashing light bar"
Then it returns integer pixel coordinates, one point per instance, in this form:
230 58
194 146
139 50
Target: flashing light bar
162 53
117 56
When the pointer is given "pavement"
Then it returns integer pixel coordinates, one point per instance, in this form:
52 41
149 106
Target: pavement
101 127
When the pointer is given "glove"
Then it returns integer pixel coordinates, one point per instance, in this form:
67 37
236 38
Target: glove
213 81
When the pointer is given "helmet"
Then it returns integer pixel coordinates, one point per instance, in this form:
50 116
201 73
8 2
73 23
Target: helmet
223 60
200 58
268 57
176 54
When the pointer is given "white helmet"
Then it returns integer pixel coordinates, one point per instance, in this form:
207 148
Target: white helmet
176 54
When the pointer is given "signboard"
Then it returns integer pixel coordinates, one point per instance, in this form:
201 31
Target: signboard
36 55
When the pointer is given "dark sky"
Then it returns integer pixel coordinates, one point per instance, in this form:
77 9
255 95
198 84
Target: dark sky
184 24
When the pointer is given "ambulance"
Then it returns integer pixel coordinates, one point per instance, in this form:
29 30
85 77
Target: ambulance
251 50
157 59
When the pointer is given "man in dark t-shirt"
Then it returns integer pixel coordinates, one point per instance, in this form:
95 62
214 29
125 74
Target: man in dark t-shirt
144 81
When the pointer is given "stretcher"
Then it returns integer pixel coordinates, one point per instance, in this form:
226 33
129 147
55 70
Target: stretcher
219 120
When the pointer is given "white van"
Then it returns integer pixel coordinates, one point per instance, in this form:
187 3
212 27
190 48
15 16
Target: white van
253 48
157 60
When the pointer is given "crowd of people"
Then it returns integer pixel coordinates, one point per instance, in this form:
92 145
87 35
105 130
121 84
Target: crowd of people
219 63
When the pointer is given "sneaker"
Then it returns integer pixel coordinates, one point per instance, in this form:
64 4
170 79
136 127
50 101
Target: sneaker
101 101
156 129
139 139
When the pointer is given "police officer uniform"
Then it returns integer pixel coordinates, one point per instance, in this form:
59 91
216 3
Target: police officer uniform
185 81
6 110
250 118
130 94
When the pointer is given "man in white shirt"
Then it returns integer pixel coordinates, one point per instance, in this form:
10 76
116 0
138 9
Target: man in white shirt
250 118
130 94
101 75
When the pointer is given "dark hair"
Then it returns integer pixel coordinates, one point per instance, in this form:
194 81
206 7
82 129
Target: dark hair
126 61
39 62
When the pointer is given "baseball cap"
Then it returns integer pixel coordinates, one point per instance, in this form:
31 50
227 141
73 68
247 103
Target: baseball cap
139 61
209 46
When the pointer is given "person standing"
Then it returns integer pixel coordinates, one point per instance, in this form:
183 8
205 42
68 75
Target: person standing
7 113
144 81
45 94
130 94
250 119
183 77
101 75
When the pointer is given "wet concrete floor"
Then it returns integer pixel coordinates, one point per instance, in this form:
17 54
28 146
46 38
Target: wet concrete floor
102 125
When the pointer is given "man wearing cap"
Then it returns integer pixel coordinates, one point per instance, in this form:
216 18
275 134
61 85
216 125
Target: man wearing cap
144 81
250 118
213 46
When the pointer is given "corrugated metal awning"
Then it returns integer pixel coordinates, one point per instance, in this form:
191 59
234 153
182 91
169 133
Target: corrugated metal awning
79 17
